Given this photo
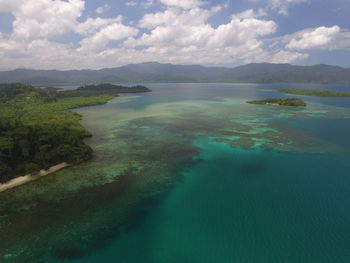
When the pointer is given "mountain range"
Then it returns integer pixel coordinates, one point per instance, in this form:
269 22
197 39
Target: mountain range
158 72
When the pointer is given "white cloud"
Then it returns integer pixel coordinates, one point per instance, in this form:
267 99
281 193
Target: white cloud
44 18
343 41
179 32
282 5
38 53
131 3
184 36
148 3
279 56
103 9
176 16
186 4
37 21
9 6
240 31
319 38
177 35
10 48
99 40
92 25
191 28
250 13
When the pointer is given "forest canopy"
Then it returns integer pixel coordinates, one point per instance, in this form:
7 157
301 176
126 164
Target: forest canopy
281 102
37 129
316 92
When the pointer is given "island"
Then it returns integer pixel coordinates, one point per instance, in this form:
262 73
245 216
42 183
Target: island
316 92
38 130
102 89
280 102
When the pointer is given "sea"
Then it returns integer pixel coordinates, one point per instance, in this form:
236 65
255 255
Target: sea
192 173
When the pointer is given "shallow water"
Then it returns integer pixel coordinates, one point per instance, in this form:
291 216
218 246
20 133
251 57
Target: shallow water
191 173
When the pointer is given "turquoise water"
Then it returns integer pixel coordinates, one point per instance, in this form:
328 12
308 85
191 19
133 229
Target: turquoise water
191 173
243 206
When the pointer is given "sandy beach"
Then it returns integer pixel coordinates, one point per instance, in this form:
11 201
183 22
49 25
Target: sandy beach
31 177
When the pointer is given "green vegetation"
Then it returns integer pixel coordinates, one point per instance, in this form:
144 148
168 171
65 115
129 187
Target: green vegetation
102 89
18 90
280 102
37 130
316 92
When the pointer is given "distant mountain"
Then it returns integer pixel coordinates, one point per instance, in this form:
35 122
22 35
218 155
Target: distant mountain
286 73
157 72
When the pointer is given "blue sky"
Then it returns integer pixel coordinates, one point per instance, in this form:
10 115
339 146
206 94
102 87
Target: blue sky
71 34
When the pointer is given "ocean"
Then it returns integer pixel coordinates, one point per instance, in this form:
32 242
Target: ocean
193 173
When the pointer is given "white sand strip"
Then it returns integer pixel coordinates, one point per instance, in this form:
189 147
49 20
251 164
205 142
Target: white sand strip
31 177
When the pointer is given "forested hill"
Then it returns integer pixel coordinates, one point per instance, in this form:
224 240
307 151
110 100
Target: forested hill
157 72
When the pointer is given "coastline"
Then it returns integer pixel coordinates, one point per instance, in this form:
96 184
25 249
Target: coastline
63 108
21 180
31 177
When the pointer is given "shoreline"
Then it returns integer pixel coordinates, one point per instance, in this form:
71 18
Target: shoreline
32 177
104 98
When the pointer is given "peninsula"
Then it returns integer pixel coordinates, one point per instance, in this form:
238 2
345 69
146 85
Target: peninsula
316 92
38 130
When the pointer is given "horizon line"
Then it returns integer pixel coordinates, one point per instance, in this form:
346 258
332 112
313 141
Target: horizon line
156 62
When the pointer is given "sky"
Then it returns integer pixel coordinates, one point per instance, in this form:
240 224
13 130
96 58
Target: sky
91 34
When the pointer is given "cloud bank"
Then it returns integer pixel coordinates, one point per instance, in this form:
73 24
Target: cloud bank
178 32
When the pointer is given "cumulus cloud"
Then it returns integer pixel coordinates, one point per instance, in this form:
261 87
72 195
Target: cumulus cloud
250 13
38 21
179 32
186 4
102 9
319 38
183 35
131 3
9 6
92 25
282 5
176 16
43 18
99 40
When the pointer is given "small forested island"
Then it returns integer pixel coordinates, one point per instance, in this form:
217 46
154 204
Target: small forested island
316 92
102 89
37 129
281 102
